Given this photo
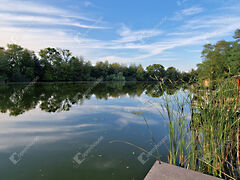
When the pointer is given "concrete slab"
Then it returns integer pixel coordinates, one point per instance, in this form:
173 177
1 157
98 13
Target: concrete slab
170 172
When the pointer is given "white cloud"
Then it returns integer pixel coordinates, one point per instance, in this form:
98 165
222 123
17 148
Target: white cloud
88 3
100 49
35 20
127 35
187 12
191 11
113 59
17 6
210 22
24 6
126 46
181 2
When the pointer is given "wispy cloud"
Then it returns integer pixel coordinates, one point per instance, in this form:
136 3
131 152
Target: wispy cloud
191 11
181 2
129 40
209 22
127 35
24 6
37 26
88 3
37 20
180 39
16 6
187 12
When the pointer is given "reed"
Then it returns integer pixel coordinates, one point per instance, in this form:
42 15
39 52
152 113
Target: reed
204 129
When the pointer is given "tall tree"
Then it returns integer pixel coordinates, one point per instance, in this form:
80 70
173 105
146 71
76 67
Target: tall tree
4 66
156 71
22 63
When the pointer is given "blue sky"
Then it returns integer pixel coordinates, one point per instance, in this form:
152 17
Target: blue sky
171 33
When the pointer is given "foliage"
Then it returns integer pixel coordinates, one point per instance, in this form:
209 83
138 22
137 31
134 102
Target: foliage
215 130
156 71
54 64
204 129
221 60
210 143
116 77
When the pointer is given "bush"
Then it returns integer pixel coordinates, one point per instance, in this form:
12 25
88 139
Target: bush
116 77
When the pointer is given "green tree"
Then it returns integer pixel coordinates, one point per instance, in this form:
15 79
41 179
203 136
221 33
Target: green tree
116 77
172 74
4 66
217 61
131 74
100 69
55 64
76 71
22 63
156 71
237 35
140 73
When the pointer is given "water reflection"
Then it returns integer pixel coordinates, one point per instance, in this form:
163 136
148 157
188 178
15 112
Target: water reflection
67 118
56 97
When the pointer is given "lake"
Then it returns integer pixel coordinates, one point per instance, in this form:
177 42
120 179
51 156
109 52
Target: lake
72 131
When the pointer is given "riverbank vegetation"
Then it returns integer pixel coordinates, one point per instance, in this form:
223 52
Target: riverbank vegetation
204 124
54 64
204 130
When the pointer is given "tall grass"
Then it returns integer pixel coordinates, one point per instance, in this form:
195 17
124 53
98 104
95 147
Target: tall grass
205 137
203 129
177 121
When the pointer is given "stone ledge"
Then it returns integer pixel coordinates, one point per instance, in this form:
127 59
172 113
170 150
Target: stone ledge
166 171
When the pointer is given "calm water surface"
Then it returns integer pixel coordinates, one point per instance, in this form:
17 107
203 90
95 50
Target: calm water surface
62 131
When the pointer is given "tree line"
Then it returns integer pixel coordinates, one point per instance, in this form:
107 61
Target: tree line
18 64
220 60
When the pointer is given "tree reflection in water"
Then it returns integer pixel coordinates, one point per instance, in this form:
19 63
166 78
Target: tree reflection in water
16 99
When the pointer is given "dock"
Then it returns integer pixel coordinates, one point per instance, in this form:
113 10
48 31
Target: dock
165 171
